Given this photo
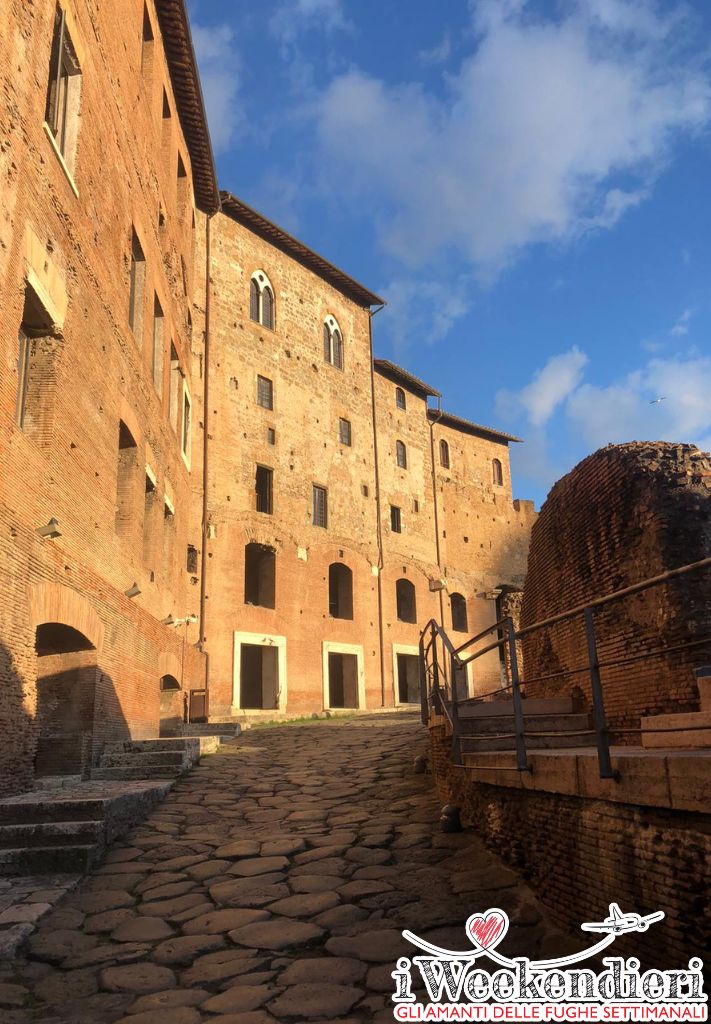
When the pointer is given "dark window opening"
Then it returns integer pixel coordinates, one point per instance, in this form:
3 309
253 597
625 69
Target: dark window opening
395 519
182 187
406 601
401 454
259 677
191 562
263 489
38 351
459 613
365 490
408 679
415 505
127 478
320 506
344 432
147 43
271 435
497 473
265 392
157 348
267 308
254 301
149 509
400 401
260 575
340 591
136 285
176 383
444 454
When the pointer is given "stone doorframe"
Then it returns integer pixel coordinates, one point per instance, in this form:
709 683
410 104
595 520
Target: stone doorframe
261 640
334 647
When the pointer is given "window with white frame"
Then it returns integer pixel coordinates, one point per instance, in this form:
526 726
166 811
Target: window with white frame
186 426
261 300
63 92
332 342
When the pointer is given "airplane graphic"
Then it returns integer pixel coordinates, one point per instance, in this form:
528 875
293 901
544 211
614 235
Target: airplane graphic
617 923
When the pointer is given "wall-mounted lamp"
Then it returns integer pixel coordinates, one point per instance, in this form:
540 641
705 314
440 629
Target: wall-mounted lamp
168 621
51 530
133 591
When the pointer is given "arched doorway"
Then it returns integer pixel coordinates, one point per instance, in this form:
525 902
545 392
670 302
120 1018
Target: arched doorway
66 694
171 707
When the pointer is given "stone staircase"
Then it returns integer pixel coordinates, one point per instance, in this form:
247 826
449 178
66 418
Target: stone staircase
127 760
690 730
552 723
66 830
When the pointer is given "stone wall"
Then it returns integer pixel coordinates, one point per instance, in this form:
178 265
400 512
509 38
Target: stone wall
579 855
624 514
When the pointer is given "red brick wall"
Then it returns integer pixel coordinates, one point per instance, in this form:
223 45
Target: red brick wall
624 514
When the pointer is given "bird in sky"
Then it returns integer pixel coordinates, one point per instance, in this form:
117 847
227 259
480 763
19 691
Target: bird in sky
656 401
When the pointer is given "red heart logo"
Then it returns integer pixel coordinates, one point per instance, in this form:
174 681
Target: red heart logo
487 930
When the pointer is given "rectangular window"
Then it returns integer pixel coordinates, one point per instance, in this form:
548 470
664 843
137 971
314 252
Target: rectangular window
62 110
271 435
157 347
365 490
264 490
344 432
182 187
320 506
136 284
149 508
395 519
415 505
36 369
176 377
186 427
265 392
191 562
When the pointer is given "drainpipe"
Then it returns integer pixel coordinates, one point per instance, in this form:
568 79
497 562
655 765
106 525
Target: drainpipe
436 510
205 456
379 524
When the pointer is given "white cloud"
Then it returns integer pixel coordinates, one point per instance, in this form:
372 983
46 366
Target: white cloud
549 129
292 18
423 309
681 327
549 387
220 78
439 53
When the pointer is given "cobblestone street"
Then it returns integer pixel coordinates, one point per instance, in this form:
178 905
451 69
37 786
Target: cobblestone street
271 885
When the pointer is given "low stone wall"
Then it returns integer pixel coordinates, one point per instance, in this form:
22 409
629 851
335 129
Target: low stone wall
581 854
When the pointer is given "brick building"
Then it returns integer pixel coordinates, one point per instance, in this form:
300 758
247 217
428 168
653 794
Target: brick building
206 478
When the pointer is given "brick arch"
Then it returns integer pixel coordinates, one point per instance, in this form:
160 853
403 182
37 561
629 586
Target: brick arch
254 534
51 602
169 665
129 417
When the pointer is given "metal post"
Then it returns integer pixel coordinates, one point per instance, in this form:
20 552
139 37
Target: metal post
456 744
521 759
435 675
424 707
599 720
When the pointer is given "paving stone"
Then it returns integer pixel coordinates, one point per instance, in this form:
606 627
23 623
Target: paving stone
329 970
168 908
322 1000
382 946
340 917
240 848
282 847
61 987
239 999
217 921
163 892
205 971
12 995
23 913
276 934
184 948
250 892
208 869
139 978
64 918
365 855
313 883
97 902
55 946
255 1017
259 866
107 921
110 952
320 853
354 890
173 1015
158 878
305 905
121 854
335 866
142 929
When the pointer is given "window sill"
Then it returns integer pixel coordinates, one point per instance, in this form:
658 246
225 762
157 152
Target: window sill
62 161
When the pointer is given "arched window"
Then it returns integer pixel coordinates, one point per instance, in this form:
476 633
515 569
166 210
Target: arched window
261 300
260 575
332 343
444 454
459 613
400 398
497 473
401 454
340 591
406 601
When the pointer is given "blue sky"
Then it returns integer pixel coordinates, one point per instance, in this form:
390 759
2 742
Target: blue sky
528 184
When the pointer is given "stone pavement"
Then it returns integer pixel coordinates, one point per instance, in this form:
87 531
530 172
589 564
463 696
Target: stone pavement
272 884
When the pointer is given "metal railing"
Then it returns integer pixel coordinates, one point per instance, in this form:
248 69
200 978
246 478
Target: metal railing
442 665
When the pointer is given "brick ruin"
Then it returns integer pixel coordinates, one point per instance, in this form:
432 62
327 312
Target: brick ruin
624 514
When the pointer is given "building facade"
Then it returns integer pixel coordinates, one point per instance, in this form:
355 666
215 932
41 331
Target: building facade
208 483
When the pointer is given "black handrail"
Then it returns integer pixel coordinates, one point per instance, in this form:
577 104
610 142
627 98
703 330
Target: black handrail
438 695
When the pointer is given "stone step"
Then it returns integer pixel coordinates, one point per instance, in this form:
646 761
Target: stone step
687 731
132 774
165 745
164 758
542 741
49 859
16 812
212 729
531 706
51 833
538 723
